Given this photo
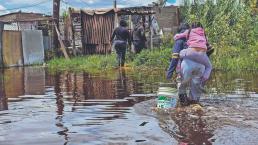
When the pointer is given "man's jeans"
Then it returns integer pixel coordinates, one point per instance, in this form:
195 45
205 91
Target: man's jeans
191 74
120 47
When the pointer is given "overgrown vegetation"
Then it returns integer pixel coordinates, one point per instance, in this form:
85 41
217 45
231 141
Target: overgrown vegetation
147 59
232 28
226 22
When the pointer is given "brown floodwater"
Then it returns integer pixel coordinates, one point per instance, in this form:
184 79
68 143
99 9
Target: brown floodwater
37 107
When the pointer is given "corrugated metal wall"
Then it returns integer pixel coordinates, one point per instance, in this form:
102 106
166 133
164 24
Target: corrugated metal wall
47 42
33 47
97 30
12 48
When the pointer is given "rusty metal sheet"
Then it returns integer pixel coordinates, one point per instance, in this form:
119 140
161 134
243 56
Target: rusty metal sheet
14 82
12 48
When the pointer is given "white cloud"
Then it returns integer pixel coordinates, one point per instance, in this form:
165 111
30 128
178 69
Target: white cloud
137 2
91 1
88 1
24 1
42 8
2 8
122 6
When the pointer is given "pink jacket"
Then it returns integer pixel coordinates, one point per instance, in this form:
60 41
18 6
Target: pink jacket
196 39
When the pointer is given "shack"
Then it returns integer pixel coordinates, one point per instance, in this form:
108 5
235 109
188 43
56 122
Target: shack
25 21
22 38
94 27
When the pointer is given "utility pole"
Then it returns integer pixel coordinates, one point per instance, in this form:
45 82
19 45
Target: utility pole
115 4
116 17
1 45
56 9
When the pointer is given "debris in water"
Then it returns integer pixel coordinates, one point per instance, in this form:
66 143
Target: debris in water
144 123
140 140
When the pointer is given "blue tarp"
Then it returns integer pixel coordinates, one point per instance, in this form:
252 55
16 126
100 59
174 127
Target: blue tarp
172 1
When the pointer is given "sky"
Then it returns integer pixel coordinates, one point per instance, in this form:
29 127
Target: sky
45 6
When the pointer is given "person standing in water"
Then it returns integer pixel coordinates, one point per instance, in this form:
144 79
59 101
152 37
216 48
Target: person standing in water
179 45
196 66
120 38
138 37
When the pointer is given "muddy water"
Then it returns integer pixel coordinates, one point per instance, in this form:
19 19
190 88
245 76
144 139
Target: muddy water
78 108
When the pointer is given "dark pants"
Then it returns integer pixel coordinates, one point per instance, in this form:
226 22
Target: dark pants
138 45
172 67
120 47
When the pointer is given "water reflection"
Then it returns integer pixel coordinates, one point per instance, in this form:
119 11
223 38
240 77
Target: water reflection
83 86
233 82
18 82
14 82
34 81
60 108
3 101
81 107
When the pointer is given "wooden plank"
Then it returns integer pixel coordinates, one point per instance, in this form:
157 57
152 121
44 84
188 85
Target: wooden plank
1 49
71 27
143 95
61 43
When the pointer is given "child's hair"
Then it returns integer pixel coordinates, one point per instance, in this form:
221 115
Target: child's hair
123 23
183 27
196 25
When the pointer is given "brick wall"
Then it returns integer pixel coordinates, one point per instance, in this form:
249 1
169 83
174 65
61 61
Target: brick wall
168 18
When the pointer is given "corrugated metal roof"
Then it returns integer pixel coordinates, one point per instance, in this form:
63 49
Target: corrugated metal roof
22 16
98 11
121 11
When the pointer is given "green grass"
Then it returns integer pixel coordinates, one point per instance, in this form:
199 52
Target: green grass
228 58
91 64
152 59
234 58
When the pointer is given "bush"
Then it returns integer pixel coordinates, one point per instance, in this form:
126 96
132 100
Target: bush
226 22
156 58
229 59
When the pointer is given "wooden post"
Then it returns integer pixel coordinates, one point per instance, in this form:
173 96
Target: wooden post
131 30
130 22
72 30
61 43
3 100
56 8
1 46
116 17
151 31
178 16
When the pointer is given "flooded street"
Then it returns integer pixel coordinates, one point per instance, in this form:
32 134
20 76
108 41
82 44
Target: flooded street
37 107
